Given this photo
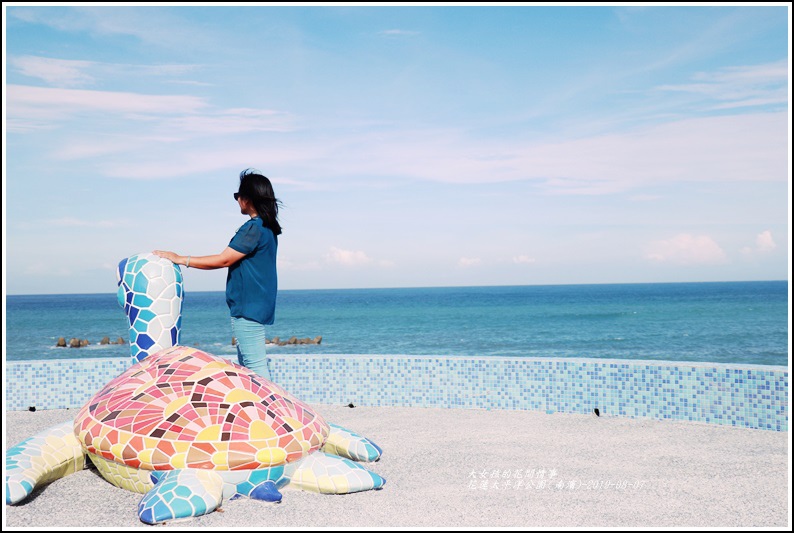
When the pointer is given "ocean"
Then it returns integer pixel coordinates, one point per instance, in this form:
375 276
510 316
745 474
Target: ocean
721 322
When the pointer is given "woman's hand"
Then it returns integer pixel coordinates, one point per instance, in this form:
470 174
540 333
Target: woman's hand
171 256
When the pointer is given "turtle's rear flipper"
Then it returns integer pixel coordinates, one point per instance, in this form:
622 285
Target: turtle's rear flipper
329 474
266 491
345 443
45 457
181 494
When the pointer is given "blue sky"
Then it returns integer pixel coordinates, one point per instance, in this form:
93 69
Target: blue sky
410 145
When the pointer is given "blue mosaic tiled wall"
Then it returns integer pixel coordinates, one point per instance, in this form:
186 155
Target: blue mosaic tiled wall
750 396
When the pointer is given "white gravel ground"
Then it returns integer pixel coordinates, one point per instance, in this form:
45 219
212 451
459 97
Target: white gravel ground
458 468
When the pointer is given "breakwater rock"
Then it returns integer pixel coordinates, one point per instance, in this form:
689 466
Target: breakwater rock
292 340
74 342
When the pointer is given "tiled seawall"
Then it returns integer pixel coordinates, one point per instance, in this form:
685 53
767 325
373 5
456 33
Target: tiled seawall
750 396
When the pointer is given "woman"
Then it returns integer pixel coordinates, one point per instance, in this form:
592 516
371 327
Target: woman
251 283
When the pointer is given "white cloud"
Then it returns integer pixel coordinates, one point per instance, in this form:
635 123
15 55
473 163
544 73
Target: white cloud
70 73
166 118
686 249
743 86
86 148
167 28
644 197
749 147
192 82
28 125
727 149
764 243
231 121
72 222
61 103
398 32
737 148
523 260
167 162
288 264
466 262
80 223
353 258
59 72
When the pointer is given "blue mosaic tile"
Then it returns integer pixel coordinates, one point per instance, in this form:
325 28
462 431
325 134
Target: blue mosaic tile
750 396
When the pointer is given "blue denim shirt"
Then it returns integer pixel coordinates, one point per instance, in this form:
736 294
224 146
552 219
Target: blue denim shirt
252 284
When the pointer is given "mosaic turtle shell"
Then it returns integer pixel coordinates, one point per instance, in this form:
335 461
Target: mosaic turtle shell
184 408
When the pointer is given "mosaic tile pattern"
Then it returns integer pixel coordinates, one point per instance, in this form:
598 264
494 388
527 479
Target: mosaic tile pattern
181 493
750 396
43 458
57 384
150 292
123 476
187 429
345 443
329 474
184 408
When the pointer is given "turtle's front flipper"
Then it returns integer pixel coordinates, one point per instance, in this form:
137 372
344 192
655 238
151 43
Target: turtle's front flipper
181 494
329 474
345 443
45 457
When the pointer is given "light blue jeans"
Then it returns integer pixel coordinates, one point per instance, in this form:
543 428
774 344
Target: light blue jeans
251 351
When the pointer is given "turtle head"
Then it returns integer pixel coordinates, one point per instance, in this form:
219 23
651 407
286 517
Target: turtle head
150 292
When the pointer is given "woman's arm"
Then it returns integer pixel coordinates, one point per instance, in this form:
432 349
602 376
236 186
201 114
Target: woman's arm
226 258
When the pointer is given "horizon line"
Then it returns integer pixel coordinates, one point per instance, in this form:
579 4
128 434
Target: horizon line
5 294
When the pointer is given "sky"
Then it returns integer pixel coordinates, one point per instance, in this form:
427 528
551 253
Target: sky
410 146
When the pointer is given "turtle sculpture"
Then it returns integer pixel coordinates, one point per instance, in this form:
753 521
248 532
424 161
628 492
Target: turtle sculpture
188 429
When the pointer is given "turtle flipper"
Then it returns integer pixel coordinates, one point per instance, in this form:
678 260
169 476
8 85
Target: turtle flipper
181 494
266 492
329 474
45 457
345 443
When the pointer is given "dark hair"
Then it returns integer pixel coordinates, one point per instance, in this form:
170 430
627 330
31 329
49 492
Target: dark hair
257 188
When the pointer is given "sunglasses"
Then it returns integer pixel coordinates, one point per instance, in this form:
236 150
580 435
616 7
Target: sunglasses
237 196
